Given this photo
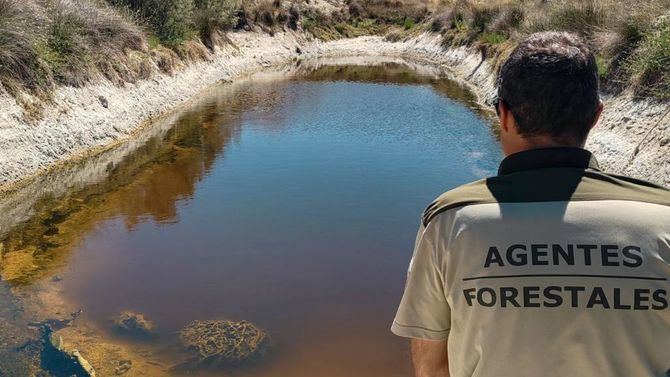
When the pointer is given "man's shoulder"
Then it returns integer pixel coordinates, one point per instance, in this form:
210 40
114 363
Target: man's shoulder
598 185
548 185
476 192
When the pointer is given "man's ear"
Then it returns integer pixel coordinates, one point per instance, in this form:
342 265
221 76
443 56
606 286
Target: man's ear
599 111
505 116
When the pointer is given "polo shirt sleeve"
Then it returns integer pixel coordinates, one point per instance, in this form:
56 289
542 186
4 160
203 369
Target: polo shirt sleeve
424 312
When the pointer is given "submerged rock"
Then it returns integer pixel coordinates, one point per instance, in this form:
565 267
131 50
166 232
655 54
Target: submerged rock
225 343
123 367
56 324
133 324
60 361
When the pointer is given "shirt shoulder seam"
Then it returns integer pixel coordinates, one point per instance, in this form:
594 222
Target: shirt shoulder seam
421 328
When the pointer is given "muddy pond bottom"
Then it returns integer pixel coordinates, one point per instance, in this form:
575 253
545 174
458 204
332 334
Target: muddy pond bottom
290 202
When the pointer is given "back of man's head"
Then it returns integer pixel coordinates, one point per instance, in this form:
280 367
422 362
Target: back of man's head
550 85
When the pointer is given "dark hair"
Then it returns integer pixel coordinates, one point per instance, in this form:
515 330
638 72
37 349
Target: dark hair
550 85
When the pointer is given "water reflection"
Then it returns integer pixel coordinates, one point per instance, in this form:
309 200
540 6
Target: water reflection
143 184
291 203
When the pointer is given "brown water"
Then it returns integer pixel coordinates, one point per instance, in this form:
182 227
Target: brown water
292 203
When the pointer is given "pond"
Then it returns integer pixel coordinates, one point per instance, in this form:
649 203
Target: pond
291 201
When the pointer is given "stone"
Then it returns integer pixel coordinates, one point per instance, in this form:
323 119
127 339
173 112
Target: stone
59 360
123 367
83 363
133 324
103 102
55 324
225 343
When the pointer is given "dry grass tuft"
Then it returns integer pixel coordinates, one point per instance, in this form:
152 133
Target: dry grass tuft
64 42
46 43
20 65
649 67
630 41
210 16
166 59
270 15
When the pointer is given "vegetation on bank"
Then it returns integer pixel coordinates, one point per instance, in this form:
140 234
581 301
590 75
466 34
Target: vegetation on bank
632 42
47 43
50 43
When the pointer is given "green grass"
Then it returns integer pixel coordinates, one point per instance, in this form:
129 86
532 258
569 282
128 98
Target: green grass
650 66
603 67
492 38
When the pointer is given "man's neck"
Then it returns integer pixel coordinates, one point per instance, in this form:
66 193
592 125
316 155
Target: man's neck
538 142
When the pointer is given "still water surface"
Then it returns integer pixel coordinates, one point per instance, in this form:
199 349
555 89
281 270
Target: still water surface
292 203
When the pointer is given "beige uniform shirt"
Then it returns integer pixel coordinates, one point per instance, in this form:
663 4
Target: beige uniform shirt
551 268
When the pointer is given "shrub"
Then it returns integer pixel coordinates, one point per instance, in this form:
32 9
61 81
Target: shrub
65 50
212 15
603 67
458 20
267 17
393 36
282 16
66 42
482 17
437 24
294 17
81 37
20 66
577 16
392 11
649 65
509 18
408 24
171 20
355 9
264 13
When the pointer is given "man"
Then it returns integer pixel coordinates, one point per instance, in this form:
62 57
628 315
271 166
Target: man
552 267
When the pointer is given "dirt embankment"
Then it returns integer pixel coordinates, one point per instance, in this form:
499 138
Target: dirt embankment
632 138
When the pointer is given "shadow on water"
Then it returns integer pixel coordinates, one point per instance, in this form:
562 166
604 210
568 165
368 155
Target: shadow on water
145 179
